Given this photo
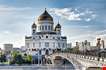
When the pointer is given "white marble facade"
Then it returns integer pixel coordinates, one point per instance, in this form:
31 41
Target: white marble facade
45 37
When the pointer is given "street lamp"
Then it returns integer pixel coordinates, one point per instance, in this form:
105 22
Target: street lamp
38 57
98 45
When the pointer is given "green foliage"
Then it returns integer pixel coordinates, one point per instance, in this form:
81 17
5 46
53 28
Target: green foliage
27 59
2 57
75 50
72 50
16 58
14 54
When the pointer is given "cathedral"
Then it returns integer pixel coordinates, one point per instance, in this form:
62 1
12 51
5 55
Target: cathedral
45 36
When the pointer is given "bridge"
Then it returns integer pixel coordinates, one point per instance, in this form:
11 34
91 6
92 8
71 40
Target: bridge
80 62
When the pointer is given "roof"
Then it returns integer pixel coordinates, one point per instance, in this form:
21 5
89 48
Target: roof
58 26
46 33
28 37
64 37
33 25
45 16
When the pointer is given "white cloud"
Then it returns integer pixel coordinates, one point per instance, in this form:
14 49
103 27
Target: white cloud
88 19
73 14
14 24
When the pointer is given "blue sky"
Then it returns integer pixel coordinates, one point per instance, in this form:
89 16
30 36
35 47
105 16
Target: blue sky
80 19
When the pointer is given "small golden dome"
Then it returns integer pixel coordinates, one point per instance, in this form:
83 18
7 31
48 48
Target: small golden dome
58 26
33 25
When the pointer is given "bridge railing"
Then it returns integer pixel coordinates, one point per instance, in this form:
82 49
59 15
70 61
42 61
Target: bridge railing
91 58
87 58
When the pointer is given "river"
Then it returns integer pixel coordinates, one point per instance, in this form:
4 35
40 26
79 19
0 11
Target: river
66 66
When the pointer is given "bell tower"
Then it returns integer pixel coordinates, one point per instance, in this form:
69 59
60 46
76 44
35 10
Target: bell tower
58 28
33 29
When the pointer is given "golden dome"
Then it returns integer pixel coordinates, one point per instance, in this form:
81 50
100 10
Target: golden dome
58 26
33 25
45 16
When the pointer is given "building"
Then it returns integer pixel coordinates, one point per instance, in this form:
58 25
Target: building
69 45
17 49
8 48
84 46
45 37
23 48
100 43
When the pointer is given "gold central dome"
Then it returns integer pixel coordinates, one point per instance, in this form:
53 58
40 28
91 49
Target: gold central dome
45 16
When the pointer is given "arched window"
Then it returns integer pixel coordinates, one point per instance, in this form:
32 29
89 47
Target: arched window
63 44
39 37
33 31
45 27
46 36
42 27
49 28
46 44
33 44
53 44
38 27
59 45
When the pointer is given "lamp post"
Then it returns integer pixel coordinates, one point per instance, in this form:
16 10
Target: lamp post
38 57
98 45
103 45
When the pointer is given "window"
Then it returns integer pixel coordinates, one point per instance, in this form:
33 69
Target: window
42 27
53 37
33 31
59 45
39 37
39 44
33 38
46 44
39 27
54 44
49 28
46 36
58 38
27 45
45 27
33 44
42 35
63 45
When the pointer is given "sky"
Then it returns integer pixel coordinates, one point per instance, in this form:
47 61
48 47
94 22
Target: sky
80 19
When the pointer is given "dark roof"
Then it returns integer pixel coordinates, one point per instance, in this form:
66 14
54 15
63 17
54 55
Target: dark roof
46 33
58 26
64 37
28 37
45 16
33 25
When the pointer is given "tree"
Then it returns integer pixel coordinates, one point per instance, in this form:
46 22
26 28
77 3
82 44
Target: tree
19 59
16 58
27 59
2 57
